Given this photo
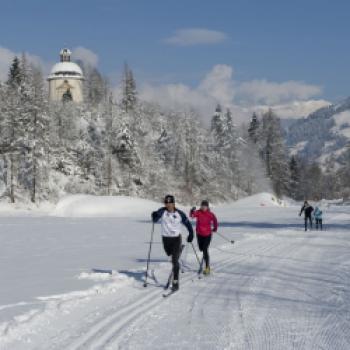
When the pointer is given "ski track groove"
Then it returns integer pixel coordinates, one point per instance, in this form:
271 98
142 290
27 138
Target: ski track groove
114 334
105 328
126 315
273 330
254 323
110 332
269 325
320 326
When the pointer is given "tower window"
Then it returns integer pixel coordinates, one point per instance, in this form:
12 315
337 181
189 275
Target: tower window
67 96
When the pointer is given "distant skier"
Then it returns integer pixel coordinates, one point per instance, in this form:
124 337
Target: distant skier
206 225
318 218
307 209
171 221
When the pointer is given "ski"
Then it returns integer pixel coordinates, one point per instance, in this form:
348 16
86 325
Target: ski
171 292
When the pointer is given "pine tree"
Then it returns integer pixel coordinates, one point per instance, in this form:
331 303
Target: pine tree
109 127
218 126
12 109
274 153
294 178
125 148
253 128
15 74
95 86
315 177
38 137
129 98
226 146
164 146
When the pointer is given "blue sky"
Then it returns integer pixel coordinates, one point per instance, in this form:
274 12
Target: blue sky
178 41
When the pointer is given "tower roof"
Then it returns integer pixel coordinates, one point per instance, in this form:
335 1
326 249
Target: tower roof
66 68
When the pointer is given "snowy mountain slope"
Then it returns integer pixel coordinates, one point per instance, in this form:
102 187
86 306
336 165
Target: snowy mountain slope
275 288
323 134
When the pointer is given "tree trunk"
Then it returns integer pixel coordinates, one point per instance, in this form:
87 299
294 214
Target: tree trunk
12 181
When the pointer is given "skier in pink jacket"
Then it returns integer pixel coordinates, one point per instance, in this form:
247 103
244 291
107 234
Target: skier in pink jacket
206 225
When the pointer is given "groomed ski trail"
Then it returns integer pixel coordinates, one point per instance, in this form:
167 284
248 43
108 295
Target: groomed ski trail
291 292
110 329
111 332
282 290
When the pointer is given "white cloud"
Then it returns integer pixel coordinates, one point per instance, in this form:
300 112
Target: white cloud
294 109
216 87
263 91
218 84
196 36
7 56
87 56
289 99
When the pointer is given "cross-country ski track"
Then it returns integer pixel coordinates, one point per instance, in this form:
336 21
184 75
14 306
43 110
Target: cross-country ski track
277 289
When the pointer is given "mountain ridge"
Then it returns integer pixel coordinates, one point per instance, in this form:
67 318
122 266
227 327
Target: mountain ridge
323 135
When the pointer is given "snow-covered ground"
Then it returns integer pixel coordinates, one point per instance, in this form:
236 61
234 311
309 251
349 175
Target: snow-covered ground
277 287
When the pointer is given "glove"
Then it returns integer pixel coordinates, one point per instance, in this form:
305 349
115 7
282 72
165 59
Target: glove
190 238
193 209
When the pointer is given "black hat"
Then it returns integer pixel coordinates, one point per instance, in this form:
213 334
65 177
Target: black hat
169 199
205 203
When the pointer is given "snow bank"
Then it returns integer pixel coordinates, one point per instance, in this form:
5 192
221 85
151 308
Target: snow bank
123 206
260 200
24 209
94 276
23 326
103 206
243 209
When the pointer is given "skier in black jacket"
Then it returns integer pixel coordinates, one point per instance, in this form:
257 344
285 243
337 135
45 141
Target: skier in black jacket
307 209
172 220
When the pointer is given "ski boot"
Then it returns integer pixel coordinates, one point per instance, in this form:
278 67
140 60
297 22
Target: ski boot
206 271
175 286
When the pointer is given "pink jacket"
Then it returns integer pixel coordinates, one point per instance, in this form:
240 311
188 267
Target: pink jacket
206 222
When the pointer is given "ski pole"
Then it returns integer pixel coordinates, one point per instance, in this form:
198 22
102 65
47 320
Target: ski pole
225 238
184 260
149 255
201 266
194 249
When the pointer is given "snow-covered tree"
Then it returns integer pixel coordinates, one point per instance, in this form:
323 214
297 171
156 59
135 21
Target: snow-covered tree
295 178
254 128
274 153
129 98
96 86
105 147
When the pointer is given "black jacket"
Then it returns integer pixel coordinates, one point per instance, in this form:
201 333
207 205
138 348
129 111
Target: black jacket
307 209
156 215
